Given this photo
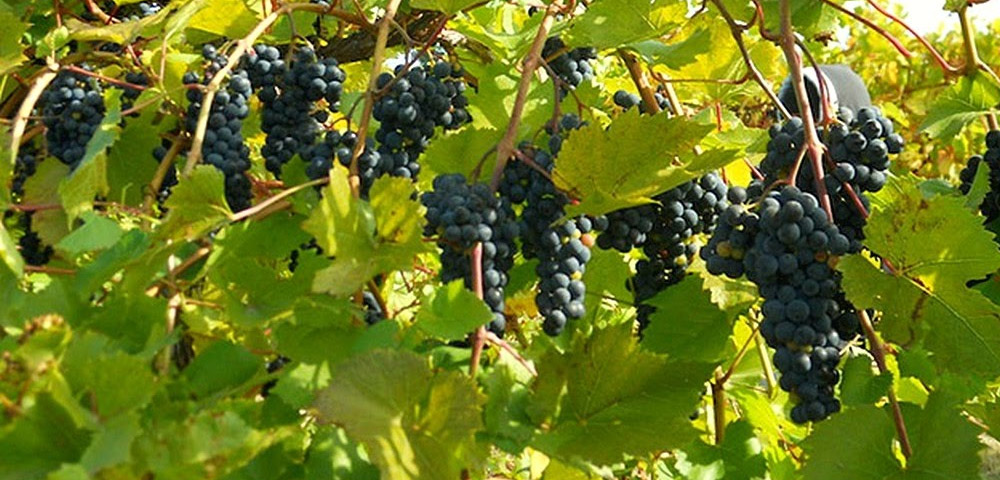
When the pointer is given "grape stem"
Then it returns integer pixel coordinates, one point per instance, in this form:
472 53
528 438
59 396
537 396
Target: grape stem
737 32
479 336
645 91
765 363
97 12
377 58
260 207
878 351
920 38
49 270
813 146
161 173
24 113
493 339
973 61
719 405
373 288
505 149
872 25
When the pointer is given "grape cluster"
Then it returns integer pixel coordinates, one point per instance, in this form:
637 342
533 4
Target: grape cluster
563 250
859 152
24 167
990 207
291 119
373 311
628 100
170 178
33 250
223 145
130 94
460 216
72 110
784 246
571 66
340 146
680 213
414 104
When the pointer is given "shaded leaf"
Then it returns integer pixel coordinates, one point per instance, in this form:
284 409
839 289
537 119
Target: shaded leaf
451 312
966 101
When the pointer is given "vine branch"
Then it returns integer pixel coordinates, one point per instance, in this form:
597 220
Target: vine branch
878 351
506 146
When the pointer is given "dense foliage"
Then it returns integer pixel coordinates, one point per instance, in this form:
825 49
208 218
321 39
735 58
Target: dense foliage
452 239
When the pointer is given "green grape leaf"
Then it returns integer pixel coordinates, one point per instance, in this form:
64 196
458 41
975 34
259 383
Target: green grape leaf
967 101
860 384
700 334
400 220
219 367
321 330
507 394
868 454
333 455
204 444
615 23
451 312
225 18
196 205
808 18
42 188
8 251
979 189
446 6
131 164
112 443
925 300
587 402
343 225
674 55
97 233
120 33
10 41
738 457
945 444
590 165
40 440
95 371
606 274
414 422
460 152
90 178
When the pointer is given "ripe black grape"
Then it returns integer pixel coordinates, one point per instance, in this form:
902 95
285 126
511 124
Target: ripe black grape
72 109
990 207
571 66
416 102
223 145
460 216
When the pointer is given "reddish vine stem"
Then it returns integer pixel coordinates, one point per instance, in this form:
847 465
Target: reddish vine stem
872 25
260 207
824 95
373 288
97 12
878 351
506 146
813 146
635 71
104 78
49 270
920 38
479 336
719 406
493 339
377 58
737 32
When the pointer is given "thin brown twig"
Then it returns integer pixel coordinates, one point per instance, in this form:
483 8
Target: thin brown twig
640 81
920 38
878 351
872 25
505 148
737 32
507 347
479 336
719 406
161 172
260 207
813 146
377 59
